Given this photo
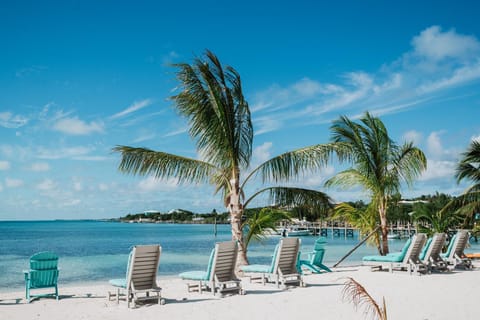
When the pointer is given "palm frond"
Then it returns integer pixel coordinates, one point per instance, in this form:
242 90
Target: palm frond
142 161
354 292
291 164
211 99
291 197
258 222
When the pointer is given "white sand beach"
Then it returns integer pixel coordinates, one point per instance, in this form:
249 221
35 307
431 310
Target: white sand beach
453 295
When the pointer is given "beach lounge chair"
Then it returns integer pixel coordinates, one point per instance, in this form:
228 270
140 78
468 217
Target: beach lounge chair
43 273
408 259
455 252
141 277
283 269
315 258
220 274
430 254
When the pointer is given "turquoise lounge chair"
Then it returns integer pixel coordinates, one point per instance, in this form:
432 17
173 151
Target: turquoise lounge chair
455 251
43 273
220 274
408 258
283 269
141 277
430 254
315 258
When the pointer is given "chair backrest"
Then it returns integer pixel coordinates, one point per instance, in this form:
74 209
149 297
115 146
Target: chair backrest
434 248
225 258
143 267
460 244
43 269
287 255
416 245
320 244
450 245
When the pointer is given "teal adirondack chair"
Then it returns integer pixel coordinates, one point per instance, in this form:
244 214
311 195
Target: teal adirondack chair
43 273
315 258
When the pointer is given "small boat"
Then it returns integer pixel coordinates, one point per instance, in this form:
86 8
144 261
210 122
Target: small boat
392 236
296 231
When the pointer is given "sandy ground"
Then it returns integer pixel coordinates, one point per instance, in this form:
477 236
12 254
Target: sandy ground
453 295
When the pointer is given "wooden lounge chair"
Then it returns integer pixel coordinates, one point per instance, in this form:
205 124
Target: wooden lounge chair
430 255
43 273
315 258
141 279
220 275
455 252
283 269
408 259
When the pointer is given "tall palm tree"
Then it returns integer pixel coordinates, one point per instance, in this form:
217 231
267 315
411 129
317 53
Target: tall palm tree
212 101
379 164
468 168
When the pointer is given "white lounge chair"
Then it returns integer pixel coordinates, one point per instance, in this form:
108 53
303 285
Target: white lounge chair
283 269
220 275
455 252
430 255
408 259
141 279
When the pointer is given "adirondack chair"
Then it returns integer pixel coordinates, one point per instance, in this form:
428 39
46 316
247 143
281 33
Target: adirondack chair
141 277
315 258
283 269
220 275
43 273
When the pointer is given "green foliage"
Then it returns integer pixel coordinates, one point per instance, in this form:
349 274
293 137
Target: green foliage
259 220
379 164
434 218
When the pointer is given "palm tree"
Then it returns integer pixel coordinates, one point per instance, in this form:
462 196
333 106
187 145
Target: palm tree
379 164
469 168
258 221
212 101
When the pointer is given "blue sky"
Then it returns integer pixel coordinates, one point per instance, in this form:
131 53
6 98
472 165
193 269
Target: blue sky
79 77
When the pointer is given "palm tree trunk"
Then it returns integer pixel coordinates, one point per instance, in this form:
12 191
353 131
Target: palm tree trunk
236 212
384 226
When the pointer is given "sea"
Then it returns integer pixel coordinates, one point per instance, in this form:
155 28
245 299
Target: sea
96 251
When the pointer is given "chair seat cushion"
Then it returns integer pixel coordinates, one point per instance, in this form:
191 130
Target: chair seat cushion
388 258
258 268
194 275
122 283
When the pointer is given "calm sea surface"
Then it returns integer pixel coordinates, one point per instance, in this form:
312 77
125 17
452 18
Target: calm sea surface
95 251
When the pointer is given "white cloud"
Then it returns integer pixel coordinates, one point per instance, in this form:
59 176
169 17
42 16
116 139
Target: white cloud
103 187
434 144
4 165
46 185
437 169
176 132
75 126
10 121
13 183
40 166
434 44
134 107
62 153
413 136
476 138
150 184
262 153
77 186
1 187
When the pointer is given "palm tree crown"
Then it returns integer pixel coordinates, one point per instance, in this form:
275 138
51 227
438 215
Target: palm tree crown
210 98
379 164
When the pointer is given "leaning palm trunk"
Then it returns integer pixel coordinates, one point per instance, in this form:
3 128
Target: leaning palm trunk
235 208
383 227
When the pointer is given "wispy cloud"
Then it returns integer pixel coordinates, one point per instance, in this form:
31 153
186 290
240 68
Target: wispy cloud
40 167
437 61
63 153
13 183
176 132
134 107
75 126
11 121
4 165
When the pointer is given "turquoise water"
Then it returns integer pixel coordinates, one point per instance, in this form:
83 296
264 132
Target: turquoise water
97 251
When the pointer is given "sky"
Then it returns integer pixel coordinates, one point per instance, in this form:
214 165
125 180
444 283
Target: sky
78 78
